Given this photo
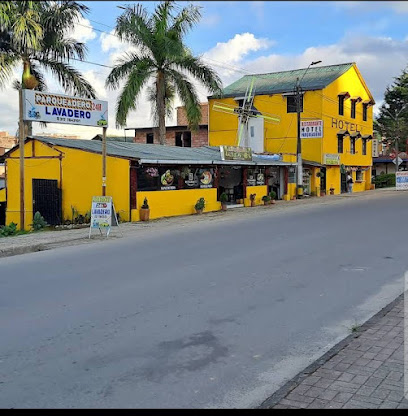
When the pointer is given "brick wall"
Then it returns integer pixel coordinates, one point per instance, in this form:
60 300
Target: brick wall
182 118
141 137
198 138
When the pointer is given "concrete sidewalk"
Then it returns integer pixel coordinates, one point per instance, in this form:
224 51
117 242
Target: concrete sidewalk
46 240
366 370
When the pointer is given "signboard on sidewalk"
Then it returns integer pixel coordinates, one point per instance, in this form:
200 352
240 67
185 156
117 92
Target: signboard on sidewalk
63 109
311 129
101 212
401 181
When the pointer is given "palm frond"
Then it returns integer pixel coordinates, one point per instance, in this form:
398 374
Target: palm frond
7 64
188 96
185 20
128 97
71 80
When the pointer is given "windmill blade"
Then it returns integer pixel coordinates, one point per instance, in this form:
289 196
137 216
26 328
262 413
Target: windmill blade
269 118
224 108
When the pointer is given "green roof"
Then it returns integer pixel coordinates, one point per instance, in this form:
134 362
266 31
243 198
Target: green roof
316 78
153 153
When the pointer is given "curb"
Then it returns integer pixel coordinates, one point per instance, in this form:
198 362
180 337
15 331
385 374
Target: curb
294 382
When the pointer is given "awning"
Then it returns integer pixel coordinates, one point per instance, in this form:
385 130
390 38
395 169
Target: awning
343 133
311 163
285 94
367 136
356 98
368 102
355 135
344 94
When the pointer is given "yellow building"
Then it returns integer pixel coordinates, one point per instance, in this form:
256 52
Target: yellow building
63 174
337 124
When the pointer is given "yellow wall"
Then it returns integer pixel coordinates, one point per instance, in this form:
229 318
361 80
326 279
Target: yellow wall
81 179
173 203
322 105
3 195
260 191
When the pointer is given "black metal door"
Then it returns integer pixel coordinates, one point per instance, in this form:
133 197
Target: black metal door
343 183
47 200
323 179
2 213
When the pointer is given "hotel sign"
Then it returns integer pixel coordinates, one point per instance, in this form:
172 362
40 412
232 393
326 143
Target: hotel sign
332 159
346 125
311 129
57 108
236 153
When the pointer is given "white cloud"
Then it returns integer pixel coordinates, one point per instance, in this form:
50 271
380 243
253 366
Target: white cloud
83 31
110 41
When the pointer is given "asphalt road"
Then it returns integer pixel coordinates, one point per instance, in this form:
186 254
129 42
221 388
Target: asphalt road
216 314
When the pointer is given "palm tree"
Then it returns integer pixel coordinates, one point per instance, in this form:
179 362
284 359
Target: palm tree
163 60
34 34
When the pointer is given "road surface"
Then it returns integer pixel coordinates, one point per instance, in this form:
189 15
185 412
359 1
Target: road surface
216 314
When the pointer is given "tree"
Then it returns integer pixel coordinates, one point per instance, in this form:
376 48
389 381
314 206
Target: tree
162 59
34 34
392 121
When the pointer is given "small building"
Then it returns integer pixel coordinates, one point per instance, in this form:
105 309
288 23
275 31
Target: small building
336 123
384 164
179 135
62 175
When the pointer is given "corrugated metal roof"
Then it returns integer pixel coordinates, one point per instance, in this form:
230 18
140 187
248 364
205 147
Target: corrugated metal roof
279 82
153 152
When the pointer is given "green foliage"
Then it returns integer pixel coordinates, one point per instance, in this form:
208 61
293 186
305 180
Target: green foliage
87 217
145 204
266 198
34 33
8 230
224 198
39 222
392 120
272 194
385 180
161 57
200 204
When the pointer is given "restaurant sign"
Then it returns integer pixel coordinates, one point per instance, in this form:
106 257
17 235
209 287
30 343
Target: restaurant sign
57 108
236 153
311 129
332 159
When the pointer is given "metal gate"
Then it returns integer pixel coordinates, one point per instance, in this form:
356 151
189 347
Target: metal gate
47 200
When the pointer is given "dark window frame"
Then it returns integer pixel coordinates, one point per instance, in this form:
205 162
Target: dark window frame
341 105
340 143
353 109
365 110
149 138
364 147
291 104
353 145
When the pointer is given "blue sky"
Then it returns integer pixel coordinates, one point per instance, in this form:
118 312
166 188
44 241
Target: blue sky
259 37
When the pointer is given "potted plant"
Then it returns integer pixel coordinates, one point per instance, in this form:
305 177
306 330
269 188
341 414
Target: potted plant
332 191
224 200
144 211
199 206
272 195
252 199
266 199
322 193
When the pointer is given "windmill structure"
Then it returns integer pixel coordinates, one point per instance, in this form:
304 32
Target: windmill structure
249 117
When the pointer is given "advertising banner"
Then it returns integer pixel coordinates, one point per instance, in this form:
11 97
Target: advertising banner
236 153
101 212
57 108
401 181
332 159
311 129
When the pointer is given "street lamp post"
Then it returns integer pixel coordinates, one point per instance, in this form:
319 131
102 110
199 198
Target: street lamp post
298 94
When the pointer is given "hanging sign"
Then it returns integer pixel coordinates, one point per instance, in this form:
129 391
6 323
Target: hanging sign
57 108
236 153
332 159
311 129
401 181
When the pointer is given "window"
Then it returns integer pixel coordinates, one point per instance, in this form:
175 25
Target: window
359 175
364 145
291 103
147 179
353 109
179 141
187 139
340 139
252 131
365 112
2 183
352 145
341 105
149 138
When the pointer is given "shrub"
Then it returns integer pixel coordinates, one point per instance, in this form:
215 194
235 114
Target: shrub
272 194
39 222
8 230
266 198
224 198
145 204
385 180
200 204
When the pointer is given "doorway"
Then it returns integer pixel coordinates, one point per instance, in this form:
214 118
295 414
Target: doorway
47 200
323 179
343 182
231 182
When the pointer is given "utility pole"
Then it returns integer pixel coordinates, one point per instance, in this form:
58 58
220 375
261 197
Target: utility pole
298 97
21 134
104 161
